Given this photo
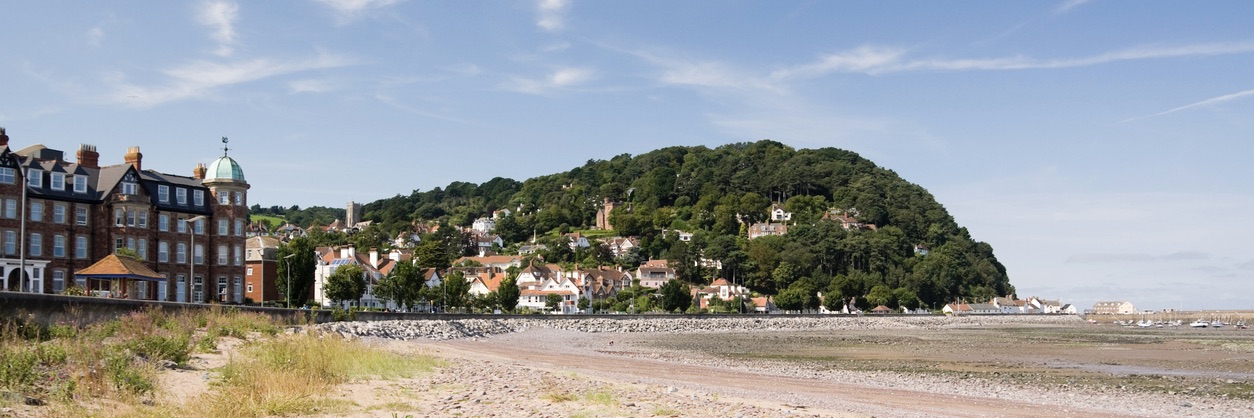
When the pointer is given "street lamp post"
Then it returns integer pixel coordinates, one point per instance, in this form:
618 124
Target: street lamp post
191 249
289 279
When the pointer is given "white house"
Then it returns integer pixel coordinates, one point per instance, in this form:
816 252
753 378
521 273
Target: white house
778 214
483 225
654 274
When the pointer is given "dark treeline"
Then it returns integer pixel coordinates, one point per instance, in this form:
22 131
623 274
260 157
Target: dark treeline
716 194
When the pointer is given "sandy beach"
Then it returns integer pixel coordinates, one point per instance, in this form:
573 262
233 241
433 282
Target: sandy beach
967 369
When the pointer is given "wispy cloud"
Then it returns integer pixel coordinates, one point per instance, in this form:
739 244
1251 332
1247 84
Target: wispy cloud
94 36
220 16
391 101
1095 258
309 86
1068 5
709 75
552 14
200 79
1208 102
559 79
861 59
556 47
1248 265
350 10
880 60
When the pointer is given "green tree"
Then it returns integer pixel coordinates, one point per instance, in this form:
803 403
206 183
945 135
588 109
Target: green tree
905 298
404 284
676 296
297 260
880 295
833 300
386 290
507 293
348 282
432 253
455 290
552 302
791 299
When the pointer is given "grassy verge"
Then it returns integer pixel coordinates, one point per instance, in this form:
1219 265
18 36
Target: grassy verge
289 375
116 361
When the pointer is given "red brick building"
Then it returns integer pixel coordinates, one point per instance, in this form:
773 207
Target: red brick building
262 265
58 216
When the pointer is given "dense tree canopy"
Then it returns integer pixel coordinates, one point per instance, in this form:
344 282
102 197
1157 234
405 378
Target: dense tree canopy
716 194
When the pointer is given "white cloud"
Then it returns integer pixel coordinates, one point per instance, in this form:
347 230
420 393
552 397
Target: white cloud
1208 102
559 79
94 36
199 79
220 16
349 10
391 101
309 86
570 76
879 60
552 14
1068 5
861 59
556 47
466 69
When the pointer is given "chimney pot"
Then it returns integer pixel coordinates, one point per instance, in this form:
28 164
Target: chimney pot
135 158
88 157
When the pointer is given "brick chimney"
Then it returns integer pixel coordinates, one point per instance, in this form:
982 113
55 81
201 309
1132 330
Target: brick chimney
88 157
134 158
199 171
4 138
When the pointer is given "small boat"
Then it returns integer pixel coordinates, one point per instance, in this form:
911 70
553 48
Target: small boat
1144 323
1199 324
1241 325
1216 324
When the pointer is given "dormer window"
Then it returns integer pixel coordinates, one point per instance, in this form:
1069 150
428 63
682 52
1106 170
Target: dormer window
163 193
58 181
200 197
80 184
35 178
181 194
129 188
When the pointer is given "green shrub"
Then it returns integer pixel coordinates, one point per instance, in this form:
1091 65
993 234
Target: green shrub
126 374
174 348
51 355
18 368
62 331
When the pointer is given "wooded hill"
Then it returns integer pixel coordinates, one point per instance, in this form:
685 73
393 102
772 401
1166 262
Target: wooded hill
716 194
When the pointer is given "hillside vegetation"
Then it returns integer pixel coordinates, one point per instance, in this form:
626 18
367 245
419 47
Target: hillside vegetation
716 194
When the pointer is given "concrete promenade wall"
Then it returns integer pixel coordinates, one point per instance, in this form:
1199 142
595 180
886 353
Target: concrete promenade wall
83 310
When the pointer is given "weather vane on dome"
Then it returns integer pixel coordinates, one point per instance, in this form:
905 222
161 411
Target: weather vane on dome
224 148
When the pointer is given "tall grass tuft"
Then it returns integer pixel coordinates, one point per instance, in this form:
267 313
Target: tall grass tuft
288 375
116 360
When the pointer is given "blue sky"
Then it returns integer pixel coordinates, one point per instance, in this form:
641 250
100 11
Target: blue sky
1102 147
